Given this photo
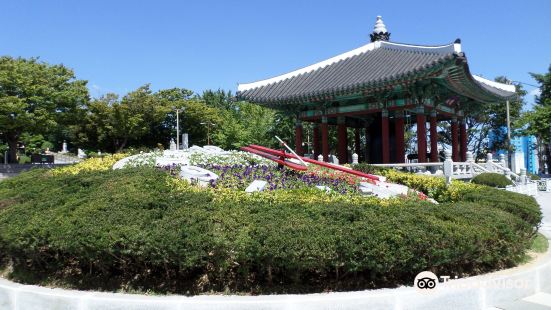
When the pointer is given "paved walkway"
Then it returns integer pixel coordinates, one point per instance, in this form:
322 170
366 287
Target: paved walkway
544 199
541 300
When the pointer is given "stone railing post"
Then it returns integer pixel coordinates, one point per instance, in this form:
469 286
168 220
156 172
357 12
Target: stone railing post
448 166
320 158
470 157
354 159
502 160
523 178
469 165
489 161
507 173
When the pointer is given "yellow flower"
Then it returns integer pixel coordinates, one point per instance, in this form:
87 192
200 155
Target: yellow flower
92 164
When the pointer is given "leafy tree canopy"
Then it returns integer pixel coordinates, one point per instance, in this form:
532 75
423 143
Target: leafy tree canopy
538 121
36 98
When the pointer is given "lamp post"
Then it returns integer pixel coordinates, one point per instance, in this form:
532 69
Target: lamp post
208 130
177 127
508 120
508 136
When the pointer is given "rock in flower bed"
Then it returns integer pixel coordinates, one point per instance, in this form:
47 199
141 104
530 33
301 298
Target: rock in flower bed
240 176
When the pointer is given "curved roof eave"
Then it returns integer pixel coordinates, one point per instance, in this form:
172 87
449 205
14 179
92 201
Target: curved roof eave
438 49
503 91
483 89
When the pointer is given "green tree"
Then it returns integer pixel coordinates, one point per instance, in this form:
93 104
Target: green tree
538 121
487 120
231 133
35 143
36 98
199 120
246 123
283 127
95 131
219 99
135 120
544 99
242 123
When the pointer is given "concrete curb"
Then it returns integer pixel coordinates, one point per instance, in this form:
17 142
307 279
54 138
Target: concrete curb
470 293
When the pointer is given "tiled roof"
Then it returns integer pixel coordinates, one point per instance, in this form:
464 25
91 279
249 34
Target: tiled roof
503 90
371 65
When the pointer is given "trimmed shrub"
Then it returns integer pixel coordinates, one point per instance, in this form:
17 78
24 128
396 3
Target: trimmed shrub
492 180
143 230
367 168
523 206
24 159
434 187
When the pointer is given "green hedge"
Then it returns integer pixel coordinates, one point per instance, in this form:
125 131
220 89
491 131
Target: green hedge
521 205
492 180
139 229
367 168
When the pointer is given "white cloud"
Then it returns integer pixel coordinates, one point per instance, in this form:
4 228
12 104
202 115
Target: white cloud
534 92
530 99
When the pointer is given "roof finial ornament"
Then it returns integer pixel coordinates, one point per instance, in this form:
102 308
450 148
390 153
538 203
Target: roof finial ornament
379 31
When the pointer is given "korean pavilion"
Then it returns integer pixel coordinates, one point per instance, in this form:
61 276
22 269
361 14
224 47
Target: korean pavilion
377 88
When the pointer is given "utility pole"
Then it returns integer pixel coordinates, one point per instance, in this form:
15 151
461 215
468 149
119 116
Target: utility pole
509 147
508 136
177 129
208 130
508 124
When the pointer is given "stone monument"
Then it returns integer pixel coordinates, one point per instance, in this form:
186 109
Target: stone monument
81 154
185 141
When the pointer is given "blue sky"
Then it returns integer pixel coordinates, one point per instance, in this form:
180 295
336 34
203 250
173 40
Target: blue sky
120 45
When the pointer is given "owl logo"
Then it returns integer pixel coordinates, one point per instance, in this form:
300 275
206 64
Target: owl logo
425 280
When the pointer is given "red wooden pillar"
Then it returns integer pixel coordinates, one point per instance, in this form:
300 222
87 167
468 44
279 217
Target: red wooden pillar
463 139
455 142
357 142
342 151
421 135
298 138
399 130
324 139
385 137
316 141
433 137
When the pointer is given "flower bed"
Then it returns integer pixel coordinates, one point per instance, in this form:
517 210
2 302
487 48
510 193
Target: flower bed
93 164
229 158
240 176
